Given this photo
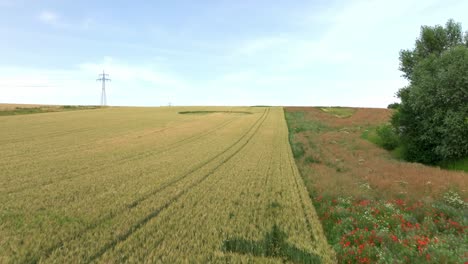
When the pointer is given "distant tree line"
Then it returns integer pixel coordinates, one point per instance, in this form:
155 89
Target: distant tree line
431 122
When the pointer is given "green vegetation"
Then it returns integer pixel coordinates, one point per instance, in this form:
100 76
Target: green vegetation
298 150
43 109
461 164
385 137
430 125
310 159
373 209
393 106
388 138
297 124
204 112
394 231
432 117
340 112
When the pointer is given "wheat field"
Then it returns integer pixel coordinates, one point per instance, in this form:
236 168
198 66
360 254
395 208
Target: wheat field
152 185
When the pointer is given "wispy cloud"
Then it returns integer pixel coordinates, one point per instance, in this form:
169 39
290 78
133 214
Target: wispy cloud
49 17
53 18
128 73
253 46
78 85
348 30
325 52
356 49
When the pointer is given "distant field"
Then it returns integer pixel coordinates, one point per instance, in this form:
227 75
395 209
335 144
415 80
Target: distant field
151 185
4 107
24 109
373 206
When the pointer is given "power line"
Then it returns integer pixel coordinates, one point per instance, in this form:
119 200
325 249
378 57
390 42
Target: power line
103 78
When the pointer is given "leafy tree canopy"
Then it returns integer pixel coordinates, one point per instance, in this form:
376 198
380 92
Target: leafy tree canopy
432 119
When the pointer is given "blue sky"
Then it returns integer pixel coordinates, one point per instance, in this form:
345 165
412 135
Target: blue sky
211 52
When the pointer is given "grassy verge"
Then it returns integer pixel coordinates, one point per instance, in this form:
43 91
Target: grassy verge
340 112
375 209
43 109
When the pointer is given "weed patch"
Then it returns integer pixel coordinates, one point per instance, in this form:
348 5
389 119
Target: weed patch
340 112
311 159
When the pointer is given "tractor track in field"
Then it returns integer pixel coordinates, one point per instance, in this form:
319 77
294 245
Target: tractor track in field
81 146
215 182
48 252
53 134
126 159
138 225
85 144
298 191
270 162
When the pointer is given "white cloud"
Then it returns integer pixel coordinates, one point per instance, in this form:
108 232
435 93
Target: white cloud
345 55
358 43
251 47
49 17
55 19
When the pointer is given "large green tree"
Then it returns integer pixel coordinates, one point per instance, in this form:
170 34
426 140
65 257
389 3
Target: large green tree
432 119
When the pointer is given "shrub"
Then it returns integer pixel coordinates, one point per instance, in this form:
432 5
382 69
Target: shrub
311 159
388 137
393 106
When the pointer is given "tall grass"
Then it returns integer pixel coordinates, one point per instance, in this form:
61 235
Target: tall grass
375 209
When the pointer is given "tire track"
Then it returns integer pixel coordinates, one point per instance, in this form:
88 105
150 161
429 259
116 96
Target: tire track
92 143
48 252
59 150
125 160
304 209
297 185
138 225
218 180
51 135
316 237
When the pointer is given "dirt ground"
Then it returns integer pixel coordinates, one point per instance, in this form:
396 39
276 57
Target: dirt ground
338 161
